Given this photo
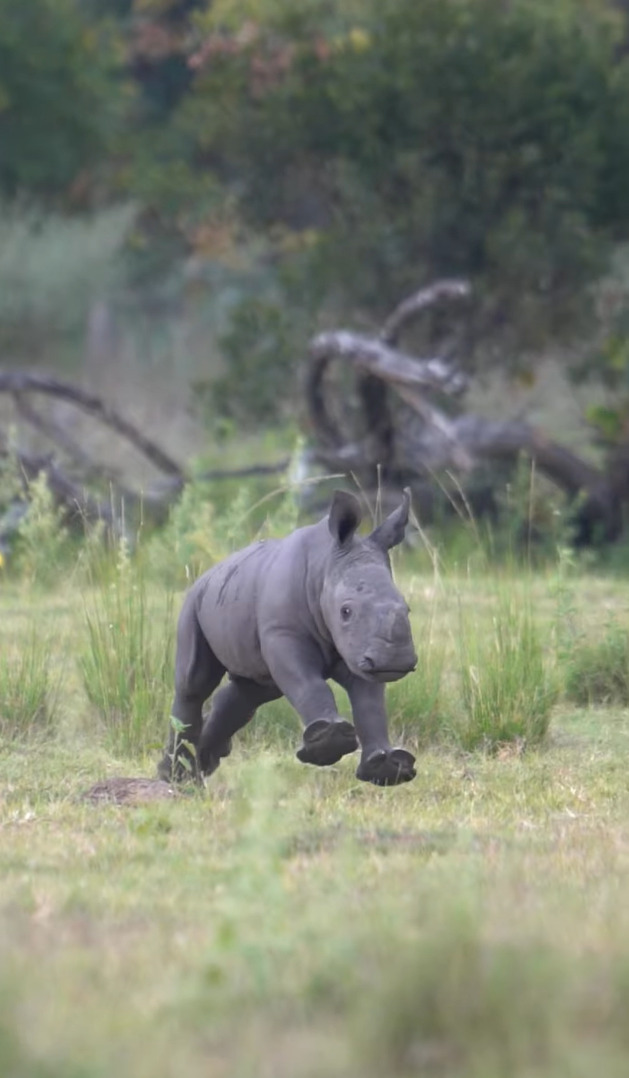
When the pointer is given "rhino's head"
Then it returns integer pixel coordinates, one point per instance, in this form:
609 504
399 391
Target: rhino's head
363 610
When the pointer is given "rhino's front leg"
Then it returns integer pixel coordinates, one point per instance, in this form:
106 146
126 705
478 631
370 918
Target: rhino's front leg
379 763
296 666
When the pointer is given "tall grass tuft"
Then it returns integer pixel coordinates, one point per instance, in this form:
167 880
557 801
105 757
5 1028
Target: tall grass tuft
415 704
597 672
508 686
127 662
28 693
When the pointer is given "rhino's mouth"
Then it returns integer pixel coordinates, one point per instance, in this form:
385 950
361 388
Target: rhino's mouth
390 674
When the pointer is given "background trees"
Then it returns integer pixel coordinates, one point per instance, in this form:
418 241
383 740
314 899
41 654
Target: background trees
269 169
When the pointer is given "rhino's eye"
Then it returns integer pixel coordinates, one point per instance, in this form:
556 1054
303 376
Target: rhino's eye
346 613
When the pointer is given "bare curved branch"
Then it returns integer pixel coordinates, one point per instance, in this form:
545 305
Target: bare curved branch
19 383
416 304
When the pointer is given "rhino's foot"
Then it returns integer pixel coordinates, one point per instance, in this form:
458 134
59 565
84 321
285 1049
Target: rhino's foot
210 762
387 767
325 742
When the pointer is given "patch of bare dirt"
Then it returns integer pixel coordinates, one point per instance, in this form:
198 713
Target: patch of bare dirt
129 791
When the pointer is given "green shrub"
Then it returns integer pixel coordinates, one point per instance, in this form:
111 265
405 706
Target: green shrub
262 350
507 685
127 662
42 540
187 545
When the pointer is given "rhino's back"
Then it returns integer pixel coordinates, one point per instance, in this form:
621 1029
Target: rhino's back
227 599
257 592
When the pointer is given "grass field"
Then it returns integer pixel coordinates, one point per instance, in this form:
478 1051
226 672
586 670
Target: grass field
292 922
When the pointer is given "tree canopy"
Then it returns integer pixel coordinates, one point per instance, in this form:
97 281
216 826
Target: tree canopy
353 148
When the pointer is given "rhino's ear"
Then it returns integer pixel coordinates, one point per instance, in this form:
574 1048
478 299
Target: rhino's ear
391 531
345 516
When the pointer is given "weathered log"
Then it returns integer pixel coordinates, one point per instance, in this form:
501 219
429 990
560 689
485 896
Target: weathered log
435 441
414 305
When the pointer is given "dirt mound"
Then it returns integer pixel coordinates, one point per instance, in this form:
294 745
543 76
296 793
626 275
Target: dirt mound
120 791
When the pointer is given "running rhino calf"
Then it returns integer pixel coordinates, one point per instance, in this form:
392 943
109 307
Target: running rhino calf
281 617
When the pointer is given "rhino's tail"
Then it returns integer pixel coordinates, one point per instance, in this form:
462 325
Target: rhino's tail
197 674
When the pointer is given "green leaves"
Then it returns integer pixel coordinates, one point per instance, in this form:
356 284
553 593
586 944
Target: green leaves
608 421
422 138
58 99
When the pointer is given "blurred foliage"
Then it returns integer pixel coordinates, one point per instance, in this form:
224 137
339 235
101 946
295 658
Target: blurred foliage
407 140
52 267
60 98
262 348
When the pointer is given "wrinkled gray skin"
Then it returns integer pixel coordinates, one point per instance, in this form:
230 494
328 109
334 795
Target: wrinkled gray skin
283 616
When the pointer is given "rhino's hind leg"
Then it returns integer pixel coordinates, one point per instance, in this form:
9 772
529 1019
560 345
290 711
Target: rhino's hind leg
232 708
387 767
197 674
325 741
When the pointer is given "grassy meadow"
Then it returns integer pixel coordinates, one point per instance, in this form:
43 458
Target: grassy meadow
292 922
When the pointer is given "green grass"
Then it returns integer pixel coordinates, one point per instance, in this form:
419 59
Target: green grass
126 660
292 922
507 682
28 693
598 669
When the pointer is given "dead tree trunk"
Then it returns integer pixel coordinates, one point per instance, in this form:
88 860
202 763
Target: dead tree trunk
408 435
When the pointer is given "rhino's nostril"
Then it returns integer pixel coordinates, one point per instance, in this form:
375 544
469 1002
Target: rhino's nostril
367 664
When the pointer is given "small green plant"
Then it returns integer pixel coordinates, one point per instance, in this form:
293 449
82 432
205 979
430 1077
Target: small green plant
597 672
42 539
28 695
188 544
127 662
507 685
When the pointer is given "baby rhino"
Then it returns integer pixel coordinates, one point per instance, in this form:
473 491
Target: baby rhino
283 616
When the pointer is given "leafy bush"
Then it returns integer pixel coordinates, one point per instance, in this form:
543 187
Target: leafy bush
262 349
59 95
412 139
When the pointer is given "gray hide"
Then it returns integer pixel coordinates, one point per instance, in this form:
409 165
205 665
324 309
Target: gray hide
283 616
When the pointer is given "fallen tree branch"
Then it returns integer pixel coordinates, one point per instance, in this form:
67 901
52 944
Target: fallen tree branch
52 430
19 383
416 304
424 440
